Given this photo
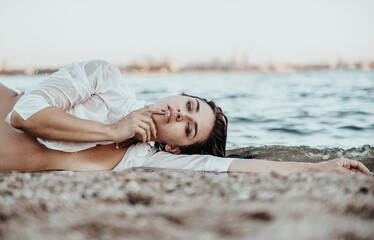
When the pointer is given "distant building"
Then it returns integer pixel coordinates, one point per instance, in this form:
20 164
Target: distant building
5 67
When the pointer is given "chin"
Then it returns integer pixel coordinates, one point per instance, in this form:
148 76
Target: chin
158 122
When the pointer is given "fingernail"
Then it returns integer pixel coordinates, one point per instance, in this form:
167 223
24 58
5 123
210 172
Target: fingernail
156 135
163 110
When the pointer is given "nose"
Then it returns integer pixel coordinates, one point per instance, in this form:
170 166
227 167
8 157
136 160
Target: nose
182 115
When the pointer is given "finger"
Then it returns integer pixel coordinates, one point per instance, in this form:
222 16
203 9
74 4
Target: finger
347 167
346 164
141 132
147 130
151 109
153 129
157 112
360 166
151 124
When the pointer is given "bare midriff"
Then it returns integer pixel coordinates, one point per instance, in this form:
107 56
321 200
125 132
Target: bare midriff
21 152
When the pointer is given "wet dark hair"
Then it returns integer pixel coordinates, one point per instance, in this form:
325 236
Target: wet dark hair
216 143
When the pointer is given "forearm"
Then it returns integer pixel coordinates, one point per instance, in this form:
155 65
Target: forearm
257 166
53 123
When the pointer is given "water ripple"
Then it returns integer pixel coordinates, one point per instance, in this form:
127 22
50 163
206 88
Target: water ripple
352 127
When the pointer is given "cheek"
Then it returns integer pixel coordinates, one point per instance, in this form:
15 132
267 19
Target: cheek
170 133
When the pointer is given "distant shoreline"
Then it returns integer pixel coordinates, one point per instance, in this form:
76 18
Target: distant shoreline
164 68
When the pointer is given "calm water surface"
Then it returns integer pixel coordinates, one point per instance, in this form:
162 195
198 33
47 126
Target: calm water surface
315 108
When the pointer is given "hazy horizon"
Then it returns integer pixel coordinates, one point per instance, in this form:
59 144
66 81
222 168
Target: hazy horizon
53 33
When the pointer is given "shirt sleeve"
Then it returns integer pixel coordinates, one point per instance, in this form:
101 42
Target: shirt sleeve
68 87
195 162
141 155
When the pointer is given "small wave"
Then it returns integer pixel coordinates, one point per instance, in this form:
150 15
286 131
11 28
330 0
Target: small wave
252 120
240 95
294 131
287 130
241 119
152 91
304 94
351 113
352 127
368 89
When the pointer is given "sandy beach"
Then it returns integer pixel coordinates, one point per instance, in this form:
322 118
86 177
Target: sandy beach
294 81
164 204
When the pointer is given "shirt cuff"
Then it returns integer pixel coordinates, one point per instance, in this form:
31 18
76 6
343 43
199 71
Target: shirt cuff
218 164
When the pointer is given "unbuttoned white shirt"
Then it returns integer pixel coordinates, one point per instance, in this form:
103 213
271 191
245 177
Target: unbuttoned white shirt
96 90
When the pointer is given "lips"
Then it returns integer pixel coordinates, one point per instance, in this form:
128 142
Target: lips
168 113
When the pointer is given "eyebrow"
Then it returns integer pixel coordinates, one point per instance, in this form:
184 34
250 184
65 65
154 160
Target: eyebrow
196 126
197 110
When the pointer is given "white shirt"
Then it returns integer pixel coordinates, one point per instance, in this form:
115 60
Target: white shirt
95 90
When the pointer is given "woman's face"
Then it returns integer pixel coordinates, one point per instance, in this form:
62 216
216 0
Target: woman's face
186 121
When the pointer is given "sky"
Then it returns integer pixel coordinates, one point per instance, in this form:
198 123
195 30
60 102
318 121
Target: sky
45 33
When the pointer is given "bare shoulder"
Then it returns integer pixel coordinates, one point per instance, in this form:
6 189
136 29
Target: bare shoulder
8 98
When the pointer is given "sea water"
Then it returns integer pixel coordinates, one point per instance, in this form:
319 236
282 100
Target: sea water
329 108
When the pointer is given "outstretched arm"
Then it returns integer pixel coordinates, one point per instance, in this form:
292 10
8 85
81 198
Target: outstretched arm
195 162
340 165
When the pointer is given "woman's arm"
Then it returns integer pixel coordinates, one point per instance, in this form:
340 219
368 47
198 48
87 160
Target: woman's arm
261 165
68 87
53 123
197 162
340 165
41 111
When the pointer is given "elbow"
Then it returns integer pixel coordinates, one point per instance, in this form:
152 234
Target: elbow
16 121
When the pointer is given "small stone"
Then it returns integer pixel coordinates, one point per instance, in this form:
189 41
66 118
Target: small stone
363 190
133 186
267 195
6 194
170 187
244 195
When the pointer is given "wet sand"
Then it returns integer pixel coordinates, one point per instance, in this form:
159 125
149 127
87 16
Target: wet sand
160 204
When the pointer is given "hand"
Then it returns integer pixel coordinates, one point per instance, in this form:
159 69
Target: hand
138 124
343 165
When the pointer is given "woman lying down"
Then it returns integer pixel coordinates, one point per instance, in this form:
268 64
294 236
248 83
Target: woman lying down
85 118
